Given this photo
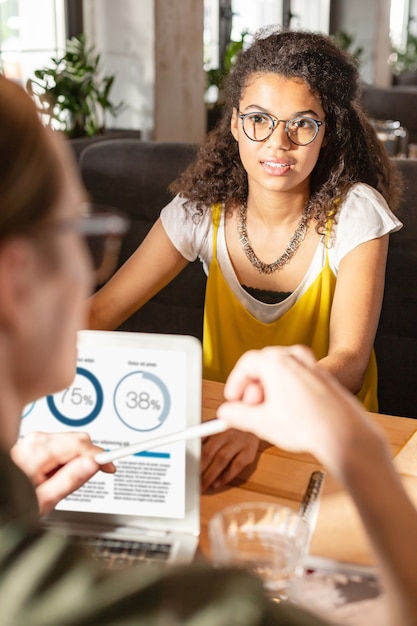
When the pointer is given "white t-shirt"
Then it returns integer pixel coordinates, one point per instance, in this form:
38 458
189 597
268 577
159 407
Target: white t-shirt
364 215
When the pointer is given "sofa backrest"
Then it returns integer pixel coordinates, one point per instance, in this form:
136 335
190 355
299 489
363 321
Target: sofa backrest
396 339
133 176
392 103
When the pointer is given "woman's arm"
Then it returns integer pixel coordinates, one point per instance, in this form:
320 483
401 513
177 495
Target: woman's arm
153 265
390 520
282 395
355 312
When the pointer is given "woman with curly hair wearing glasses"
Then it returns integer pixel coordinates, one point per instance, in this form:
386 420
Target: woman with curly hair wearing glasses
288 206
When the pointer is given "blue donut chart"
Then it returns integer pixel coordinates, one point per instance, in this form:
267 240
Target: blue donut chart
163 390
68 421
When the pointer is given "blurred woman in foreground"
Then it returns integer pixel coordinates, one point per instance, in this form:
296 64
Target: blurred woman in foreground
45 278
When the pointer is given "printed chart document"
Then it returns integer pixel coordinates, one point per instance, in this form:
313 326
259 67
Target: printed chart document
118 398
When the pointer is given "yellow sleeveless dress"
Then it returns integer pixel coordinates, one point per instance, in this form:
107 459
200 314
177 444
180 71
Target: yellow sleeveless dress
230 330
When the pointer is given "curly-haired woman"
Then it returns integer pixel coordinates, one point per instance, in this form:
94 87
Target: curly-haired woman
287 206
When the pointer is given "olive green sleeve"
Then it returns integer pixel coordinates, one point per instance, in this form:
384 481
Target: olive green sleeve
46 581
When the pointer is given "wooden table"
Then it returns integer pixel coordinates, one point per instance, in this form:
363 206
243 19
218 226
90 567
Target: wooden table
279 476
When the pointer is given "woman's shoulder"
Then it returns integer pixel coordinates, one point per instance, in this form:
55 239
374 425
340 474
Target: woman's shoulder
185 226
363 215
366 205
363 191
186 210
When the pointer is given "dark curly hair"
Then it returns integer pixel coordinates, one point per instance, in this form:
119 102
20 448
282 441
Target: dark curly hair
352 153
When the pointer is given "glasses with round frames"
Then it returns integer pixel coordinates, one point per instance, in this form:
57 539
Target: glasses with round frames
259 126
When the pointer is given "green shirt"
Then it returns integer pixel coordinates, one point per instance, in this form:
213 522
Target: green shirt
47 581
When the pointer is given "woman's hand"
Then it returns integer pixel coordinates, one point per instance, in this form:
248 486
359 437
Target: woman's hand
57 464
225 455
284 396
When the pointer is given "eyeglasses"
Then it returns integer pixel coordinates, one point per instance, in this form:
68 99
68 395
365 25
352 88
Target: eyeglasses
300 130
103 230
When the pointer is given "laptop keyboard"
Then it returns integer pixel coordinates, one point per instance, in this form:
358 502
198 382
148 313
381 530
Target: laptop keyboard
116 553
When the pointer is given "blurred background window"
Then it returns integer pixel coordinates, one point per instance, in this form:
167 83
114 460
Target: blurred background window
31 31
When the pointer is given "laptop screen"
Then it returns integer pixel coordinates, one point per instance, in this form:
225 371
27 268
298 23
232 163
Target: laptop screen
129 387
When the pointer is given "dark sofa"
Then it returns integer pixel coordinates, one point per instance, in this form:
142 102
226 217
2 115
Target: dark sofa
393 103
134 176
396 340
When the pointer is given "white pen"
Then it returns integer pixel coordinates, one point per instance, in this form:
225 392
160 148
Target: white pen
201 430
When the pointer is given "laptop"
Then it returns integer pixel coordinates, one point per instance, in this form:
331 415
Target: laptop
128 387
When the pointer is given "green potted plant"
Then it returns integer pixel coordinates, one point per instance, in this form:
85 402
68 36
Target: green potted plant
71 93
215 77
403 62
346 42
